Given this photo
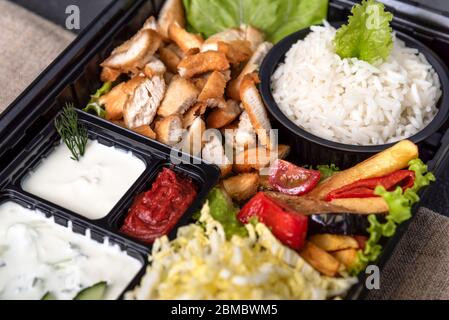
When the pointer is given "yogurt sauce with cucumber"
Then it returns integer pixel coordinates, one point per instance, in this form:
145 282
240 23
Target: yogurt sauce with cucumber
38 257
91 186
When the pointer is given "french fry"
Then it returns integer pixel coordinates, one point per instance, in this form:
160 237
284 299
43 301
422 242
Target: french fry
363 205
242 186
333 242
379 165
320 259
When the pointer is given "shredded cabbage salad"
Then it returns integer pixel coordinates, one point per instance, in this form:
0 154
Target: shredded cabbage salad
202 264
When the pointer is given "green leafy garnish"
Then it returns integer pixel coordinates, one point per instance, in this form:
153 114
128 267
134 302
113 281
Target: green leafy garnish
72 132
400 209
93 106
327 170
223 210
276 18
368 35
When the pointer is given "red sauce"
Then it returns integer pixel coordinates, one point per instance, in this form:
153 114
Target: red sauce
154 213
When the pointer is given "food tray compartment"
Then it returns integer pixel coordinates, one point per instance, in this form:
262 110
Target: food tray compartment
83 80
199 178
205 176
84 228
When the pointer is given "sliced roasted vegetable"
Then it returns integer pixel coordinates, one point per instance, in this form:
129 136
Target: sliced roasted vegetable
306 205
94 292
258 158
320 259
334 242
242 186
287 178
341 223
365 188
288 226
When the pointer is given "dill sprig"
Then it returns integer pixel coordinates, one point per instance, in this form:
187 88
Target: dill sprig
73 133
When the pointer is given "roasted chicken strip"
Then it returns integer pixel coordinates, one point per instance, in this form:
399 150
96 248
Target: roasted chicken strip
142 106
253 65
185 40
134 53
172 12
181 95
169 130
254 106
203 62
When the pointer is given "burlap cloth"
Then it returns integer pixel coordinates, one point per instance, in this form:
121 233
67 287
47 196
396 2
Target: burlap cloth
419 267
28 44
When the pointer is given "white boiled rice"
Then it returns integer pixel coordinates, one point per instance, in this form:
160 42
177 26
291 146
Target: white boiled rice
351 101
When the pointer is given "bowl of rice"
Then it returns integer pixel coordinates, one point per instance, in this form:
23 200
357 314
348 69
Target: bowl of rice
344 110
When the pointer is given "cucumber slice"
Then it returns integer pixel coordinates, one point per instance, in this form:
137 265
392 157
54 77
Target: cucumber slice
48 296
95 292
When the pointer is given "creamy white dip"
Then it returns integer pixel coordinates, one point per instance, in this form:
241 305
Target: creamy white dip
39 256
91 186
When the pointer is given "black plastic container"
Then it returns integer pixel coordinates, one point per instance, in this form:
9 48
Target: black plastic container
154 156
316 150
75 75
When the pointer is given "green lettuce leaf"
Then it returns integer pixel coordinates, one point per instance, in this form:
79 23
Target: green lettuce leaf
223 210
368 35
93 106
400 210
327 170
276 18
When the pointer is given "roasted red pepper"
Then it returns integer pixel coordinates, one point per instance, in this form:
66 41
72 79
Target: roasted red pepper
287 178
286 225
365 188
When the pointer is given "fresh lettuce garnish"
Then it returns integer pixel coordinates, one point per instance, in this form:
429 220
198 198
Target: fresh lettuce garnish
223 210
327 170
93 106
400 209
368 35
276 18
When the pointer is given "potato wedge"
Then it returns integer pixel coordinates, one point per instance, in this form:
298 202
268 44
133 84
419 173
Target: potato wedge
333 242
347 257
320 259
255 159
242 186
